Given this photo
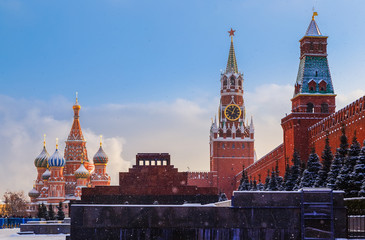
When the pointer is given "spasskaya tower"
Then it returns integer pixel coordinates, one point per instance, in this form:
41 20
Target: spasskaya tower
231 140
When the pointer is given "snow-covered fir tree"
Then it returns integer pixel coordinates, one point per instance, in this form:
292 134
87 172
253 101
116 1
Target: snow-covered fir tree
357 176
310 174
260 186
222 197
343 181
273 186
327 158
334 170
294 175
344 145
267 180
254 185
279 179
244 182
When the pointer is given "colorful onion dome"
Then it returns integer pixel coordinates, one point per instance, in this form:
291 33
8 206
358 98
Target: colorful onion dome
46 174
56 160
33 193
41 160
82 172
100 157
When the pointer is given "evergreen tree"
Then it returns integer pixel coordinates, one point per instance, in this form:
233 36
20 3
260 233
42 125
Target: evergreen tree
287 174
254 185
45 211
344 181
39 214
60 213
273 186
334 170
260 186
244 183
222 197
310 174
358 174
279 179
51 214
327 158
267 180
343 144
294 174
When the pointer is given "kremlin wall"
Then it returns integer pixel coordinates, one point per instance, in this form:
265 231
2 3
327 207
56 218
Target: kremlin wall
232 142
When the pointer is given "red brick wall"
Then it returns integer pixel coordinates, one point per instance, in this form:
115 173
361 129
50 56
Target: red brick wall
353 118
268 161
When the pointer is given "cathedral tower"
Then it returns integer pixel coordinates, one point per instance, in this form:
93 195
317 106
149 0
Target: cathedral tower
56 182
100 177
231 140
75 152
314 97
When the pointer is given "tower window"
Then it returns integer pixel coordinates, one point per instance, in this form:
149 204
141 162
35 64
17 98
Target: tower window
310 107
316 73
224 82
239 83
233 145
324 108
243 145
232 81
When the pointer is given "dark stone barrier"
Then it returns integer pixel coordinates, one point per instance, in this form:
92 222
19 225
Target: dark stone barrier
253 215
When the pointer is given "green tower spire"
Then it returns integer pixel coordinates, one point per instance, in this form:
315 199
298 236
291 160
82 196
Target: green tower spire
231 63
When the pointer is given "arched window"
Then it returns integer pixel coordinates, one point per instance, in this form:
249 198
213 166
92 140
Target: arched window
324 108
243 145
310 107
225 83
232 81
240 83
233 146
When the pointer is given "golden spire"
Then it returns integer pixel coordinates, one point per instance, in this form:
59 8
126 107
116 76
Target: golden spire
101 140
77 98
314 14
44 140
56 143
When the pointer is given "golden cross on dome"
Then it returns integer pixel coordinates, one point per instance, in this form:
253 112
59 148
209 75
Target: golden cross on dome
101 140
44 140
56 143
231 33
77 98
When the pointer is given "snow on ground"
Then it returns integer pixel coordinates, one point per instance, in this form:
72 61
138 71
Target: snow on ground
11 234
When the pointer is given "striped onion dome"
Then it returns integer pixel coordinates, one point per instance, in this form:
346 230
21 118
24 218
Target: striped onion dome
56 160
100 157
33 193
41 160
82 172
46 174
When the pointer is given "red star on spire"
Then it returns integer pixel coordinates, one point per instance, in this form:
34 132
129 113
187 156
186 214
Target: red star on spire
231 33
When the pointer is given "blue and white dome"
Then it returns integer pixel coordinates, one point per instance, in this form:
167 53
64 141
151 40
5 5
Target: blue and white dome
56 160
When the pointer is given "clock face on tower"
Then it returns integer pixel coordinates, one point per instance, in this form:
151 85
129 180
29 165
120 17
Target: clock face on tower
232 112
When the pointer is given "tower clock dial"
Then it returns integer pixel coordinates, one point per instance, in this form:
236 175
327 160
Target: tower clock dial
232 112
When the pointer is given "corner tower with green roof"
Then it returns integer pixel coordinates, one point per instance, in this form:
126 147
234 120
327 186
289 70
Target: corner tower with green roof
314 97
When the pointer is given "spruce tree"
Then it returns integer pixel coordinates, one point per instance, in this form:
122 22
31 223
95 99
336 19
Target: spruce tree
279 179
327 158
273 186
358 174
244 183
334 170
260 186
51 214
60 213
310 174
39 214
267 180
222 197
344 181
287 174
254 185
343 144
294 173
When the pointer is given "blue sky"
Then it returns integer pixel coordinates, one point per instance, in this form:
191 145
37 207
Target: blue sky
147 72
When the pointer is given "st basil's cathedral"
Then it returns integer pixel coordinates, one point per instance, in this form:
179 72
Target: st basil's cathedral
61 179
